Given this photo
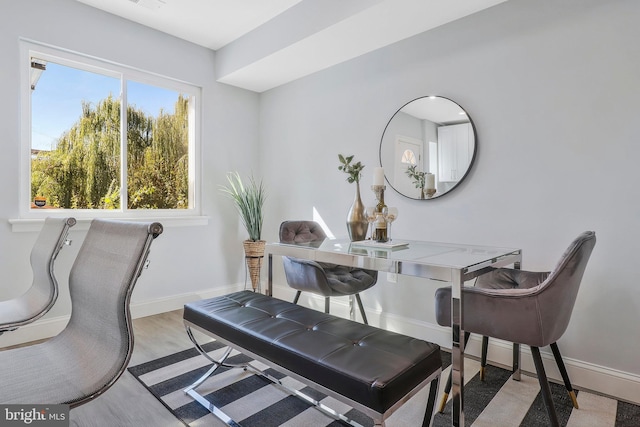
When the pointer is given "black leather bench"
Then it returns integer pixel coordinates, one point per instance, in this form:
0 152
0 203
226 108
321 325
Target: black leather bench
370 369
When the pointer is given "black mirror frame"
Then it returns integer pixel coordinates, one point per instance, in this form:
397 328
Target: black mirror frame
471 162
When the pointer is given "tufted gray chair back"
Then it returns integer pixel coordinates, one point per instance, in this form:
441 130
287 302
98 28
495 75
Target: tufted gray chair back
301 232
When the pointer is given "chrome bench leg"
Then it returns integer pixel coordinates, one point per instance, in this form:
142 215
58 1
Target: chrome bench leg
216 363
203 352
317 404
213 409
190 390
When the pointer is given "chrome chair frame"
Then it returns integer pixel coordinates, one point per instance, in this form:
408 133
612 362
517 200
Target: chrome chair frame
91 353
41 296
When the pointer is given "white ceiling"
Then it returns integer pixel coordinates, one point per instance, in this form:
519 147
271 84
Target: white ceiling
209 23
436 109
265 43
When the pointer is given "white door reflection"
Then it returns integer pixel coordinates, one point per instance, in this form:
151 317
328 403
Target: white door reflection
408 152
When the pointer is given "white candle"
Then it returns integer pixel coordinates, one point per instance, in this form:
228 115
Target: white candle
378 176
431 181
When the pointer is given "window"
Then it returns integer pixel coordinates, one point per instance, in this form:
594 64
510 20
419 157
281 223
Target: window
408 157
104 139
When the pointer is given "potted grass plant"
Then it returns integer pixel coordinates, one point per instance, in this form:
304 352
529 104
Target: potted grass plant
249 202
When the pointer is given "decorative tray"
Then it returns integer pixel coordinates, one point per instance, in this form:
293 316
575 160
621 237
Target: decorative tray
382 245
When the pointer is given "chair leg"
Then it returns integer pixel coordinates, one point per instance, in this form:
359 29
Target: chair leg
326 305
364 316
295 300
433 391
483 359
563 372
445 394
544 387
447 387
516 362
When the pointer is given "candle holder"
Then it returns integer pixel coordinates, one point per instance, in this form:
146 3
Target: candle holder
378 190
380 224
430 192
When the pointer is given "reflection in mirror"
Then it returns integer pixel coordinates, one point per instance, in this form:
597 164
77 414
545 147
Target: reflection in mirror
428 147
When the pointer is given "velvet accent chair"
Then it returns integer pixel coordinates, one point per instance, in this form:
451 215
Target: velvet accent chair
527 308
325 279
43 292
502 278
93 350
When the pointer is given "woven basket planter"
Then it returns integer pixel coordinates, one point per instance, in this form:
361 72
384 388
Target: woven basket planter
254 254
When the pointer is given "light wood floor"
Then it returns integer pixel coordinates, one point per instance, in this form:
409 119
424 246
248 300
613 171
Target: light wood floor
127 403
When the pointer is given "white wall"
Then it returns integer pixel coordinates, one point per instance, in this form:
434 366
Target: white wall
185 261
553 89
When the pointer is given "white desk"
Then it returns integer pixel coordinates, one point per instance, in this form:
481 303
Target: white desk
446 262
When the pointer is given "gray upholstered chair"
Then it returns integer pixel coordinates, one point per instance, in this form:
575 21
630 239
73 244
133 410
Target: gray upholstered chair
38 299
535 310
93 350
327 280
503 278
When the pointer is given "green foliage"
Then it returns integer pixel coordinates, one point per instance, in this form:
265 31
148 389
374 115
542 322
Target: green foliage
354 170
416 176
249 201
83 171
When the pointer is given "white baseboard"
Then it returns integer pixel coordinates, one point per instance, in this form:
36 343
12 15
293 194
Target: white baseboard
49 327
176 302
587 376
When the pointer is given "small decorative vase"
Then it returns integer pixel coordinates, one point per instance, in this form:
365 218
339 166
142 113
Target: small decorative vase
254 254
422 194
357 224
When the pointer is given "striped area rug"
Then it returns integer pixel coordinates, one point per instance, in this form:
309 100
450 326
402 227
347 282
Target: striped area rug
254 401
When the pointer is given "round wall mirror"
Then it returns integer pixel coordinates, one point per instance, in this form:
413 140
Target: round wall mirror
428 147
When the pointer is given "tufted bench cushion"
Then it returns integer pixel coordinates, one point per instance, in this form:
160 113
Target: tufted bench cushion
368 365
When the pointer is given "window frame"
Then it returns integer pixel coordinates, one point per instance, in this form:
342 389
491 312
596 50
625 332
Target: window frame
29 49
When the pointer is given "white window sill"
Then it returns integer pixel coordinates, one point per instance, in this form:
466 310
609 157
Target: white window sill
29 225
